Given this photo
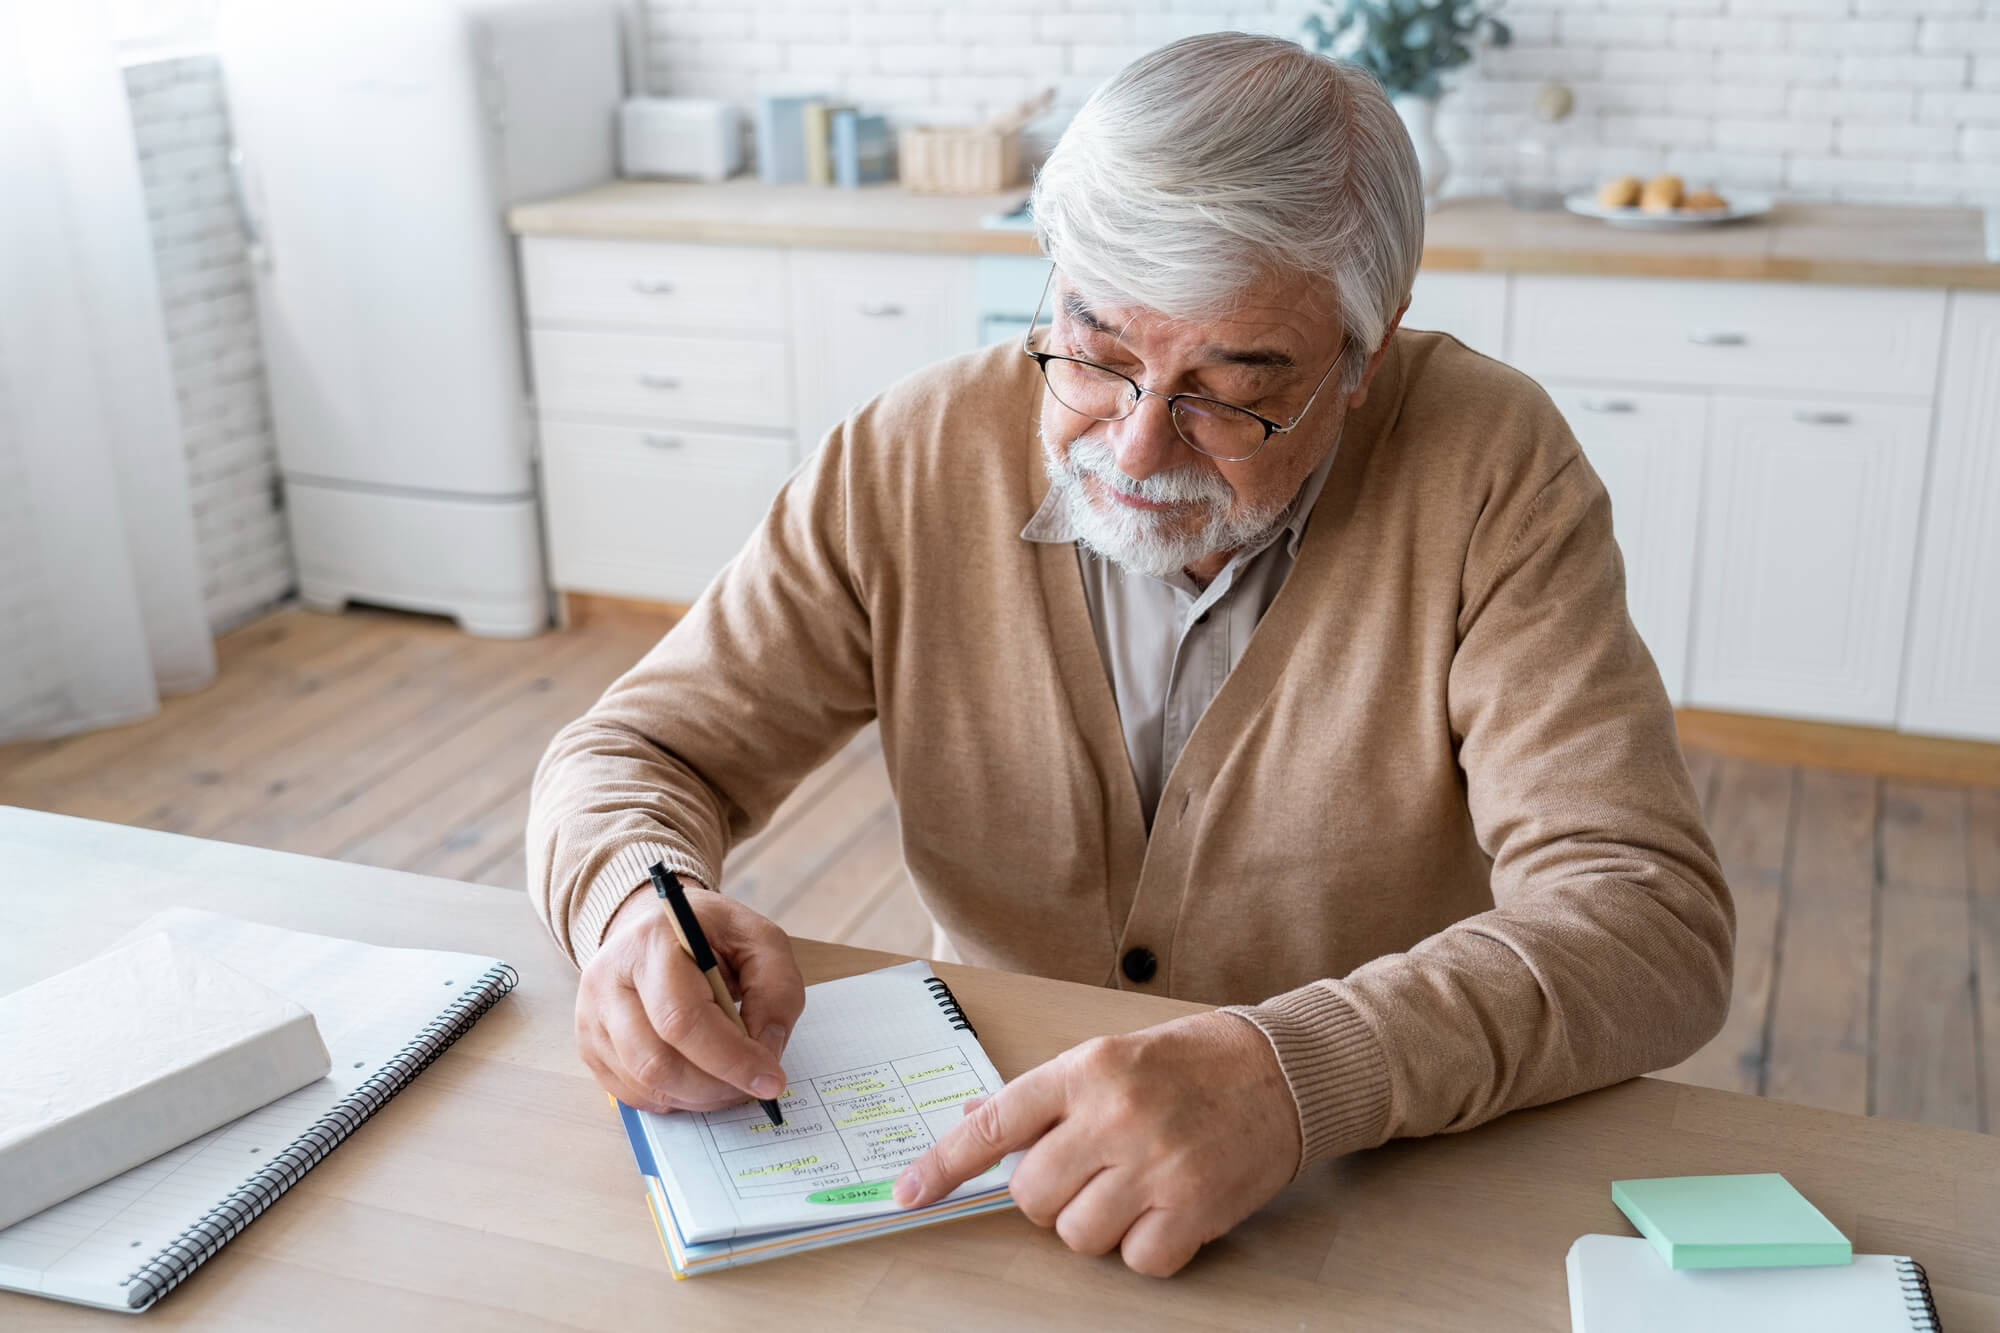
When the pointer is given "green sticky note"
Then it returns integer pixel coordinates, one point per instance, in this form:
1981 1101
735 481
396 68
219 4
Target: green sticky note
1730 1222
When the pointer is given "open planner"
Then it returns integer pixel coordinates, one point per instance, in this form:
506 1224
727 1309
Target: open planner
879 1067
384 1015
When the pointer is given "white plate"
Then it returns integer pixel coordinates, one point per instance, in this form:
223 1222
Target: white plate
1741 204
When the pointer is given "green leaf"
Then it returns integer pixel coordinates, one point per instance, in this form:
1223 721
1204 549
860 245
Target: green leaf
1502 34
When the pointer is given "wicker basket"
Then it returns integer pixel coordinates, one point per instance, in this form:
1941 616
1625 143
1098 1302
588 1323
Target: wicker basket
958 161
981 159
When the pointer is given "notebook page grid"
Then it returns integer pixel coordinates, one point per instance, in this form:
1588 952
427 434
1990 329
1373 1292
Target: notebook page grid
879 1067
845 1127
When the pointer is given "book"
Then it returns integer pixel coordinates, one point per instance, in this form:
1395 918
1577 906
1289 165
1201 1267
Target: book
1617 1284
131 1053
817 120
384 1014
863 149
879 1067
1743 1221
781 140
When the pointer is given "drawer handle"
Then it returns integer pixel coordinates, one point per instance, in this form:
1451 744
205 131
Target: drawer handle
655 440
653 381
880 309
1609 405
1716 338
652 286
1806 416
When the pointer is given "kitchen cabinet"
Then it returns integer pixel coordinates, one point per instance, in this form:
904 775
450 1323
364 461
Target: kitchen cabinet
652 513
1471 307
1646 445
1728 335
1953 686
1765 444
678 385
663 393
1810 515
861 321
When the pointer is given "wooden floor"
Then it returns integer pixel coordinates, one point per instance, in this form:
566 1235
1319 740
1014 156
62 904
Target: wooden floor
1868 968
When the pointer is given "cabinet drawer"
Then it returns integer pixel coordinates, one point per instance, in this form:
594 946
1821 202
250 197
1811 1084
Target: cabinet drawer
719 381
654 285
1809 532
1954 683
1646 447
652 513
865 320
1471 307
1747 335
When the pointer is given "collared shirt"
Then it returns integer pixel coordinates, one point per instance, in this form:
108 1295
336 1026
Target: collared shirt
1168 644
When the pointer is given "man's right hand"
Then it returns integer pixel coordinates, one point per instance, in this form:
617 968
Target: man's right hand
648 1026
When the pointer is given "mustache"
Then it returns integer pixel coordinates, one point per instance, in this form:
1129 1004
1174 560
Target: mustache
1181 486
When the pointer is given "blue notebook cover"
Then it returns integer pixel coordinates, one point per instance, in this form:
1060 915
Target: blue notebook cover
862 149
781 138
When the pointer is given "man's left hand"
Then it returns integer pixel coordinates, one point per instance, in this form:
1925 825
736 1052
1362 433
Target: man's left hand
1153 1143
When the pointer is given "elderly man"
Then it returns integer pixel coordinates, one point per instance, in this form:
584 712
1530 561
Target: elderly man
1227 643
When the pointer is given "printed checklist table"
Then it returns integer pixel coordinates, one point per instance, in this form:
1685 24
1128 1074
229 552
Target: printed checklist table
844 1128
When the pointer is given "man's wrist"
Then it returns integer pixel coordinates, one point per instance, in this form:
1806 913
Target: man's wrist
1334 1064
639 903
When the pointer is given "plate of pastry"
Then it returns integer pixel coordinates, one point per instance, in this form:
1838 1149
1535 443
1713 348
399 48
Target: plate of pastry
1665 203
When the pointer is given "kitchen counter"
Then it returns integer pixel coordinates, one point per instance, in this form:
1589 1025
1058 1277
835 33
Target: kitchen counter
1799 242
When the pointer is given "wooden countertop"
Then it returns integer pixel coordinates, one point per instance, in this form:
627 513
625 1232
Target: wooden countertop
497 1191
1800 242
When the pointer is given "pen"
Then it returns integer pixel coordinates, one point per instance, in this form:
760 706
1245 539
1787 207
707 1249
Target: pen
688 931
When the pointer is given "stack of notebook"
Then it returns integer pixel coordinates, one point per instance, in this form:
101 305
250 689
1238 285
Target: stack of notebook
1744 1252
880 1066
384 1015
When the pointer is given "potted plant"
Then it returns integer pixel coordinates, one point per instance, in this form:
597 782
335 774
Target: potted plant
1408 44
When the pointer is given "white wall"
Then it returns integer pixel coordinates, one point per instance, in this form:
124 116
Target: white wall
182 128
1882 100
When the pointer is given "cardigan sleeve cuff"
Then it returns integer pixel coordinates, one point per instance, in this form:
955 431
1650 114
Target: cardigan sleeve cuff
1335 1066
625 874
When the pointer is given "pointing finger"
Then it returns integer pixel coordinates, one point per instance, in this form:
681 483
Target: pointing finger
1012 1118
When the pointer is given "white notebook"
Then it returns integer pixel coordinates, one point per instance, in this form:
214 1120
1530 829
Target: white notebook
1619 1284
879 1068
384 1014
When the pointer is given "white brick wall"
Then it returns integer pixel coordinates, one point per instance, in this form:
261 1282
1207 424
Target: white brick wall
1872 100
32 697
182 129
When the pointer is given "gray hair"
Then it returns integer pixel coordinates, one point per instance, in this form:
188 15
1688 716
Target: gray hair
1221 159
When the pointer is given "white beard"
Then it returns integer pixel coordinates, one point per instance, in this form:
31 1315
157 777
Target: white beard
1159 543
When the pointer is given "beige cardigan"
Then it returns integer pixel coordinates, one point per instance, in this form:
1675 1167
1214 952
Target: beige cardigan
1435 831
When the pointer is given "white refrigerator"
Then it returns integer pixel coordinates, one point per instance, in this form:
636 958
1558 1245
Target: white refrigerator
378 146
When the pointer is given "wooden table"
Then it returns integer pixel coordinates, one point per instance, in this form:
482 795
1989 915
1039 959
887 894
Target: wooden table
497 1191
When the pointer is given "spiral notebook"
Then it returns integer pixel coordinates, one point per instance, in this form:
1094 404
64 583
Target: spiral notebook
1619 1284
879 1067
384 1014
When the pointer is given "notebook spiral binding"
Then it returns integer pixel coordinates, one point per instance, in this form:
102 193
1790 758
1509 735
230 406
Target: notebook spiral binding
187 1252
1917 1299
949 1003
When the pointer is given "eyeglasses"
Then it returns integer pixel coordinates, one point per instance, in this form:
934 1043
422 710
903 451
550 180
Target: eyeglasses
1222 431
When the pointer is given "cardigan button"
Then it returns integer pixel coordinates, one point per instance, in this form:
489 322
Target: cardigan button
1140 965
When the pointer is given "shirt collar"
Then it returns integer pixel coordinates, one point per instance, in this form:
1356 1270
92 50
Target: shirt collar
1051 521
